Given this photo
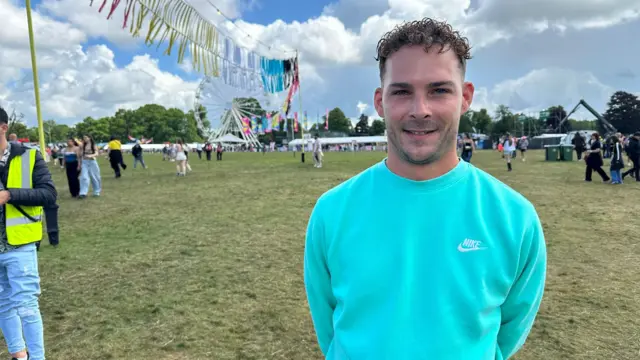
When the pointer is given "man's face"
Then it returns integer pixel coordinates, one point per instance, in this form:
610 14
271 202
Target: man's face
422 98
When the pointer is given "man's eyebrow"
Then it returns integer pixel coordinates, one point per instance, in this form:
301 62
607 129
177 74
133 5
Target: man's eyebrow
404 85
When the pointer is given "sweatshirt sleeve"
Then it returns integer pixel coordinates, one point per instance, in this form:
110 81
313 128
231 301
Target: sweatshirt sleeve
523 301
317 280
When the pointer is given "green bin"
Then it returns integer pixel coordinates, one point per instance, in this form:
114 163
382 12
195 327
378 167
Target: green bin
566 153
551 152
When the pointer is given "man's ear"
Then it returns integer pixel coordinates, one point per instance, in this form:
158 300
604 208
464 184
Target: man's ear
467 96
377 102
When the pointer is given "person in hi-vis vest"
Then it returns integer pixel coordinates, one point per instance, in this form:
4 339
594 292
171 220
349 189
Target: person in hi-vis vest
26 188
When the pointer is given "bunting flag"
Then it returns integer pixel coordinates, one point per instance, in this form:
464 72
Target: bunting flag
326 121
295 121
268 120
276 122
255 127
246 126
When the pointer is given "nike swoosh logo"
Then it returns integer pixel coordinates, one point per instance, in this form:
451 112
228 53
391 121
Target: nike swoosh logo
463 249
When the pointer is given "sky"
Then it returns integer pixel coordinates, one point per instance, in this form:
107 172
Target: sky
527 54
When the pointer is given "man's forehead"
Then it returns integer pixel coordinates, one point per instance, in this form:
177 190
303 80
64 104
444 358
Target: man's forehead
415 65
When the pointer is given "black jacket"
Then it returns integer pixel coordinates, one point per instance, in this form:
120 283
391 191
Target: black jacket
634 148
136 151
43 192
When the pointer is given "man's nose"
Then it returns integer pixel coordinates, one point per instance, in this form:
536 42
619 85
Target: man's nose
421 107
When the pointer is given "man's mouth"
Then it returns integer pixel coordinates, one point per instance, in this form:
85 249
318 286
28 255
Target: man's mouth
420 132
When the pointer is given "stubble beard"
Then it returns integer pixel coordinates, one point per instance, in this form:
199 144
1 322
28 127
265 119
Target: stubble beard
445 142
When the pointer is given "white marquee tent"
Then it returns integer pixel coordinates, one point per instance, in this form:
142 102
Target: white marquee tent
343 140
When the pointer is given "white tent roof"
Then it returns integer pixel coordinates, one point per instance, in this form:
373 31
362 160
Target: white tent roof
343 140
229 138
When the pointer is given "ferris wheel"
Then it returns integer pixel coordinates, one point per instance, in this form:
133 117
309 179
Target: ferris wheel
225 106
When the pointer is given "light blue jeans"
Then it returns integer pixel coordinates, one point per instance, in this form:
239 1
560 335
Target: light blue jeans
90 173
20 319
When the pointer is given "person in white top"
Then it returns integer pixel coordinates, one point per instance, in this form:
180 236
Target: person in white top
317 152
509 147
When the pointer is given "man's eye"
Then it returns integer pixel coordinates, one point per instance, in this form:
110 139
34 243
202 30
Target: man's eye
442 91
400 92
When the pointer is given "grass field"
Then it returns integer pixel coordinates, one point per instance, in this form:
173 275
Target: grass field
210 266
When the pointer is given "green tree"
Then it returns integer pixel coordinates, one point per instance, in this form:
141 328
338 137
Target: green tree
466 122
623 112
362 126
377 127
482 121
338 122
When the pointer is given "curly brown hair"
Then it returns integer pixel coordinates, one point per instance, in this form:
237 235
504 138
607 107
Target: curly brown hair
426 33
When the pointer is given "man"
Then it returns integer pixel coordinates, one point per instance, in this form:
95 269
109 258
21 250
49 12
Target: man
633 151
579 144
423 256
136 151
51 219
317 152
13 139
26 188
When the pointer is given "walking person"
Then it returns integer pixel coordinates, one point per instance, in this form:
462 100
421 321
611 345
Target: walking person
136 151
523 144
617 161
317 152
186 149
509 147
219 152
73 165
633 151
90 174
593 158
181 159
199 150
115 156
208 149
27 187
467 146
413 281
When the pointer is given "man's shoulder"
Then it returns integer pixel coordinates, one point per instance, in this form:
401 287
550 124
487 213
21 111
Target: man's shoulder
497 194
346 190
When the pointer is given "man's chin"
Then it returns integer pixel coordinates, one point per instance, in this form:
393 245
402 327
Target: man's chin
422 157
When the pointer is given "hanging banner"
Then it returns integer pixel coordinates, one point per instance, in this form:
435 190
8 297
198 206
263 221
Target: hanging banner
246 126
276 122
326 121
295 121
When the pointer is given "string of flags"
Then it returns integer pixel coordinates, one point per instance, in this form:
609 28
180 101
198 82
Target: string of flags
270 123
212 52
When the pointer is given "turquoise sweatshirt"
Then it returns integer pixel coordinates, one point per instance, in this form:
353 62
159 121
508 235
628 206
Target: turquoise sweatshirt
449 268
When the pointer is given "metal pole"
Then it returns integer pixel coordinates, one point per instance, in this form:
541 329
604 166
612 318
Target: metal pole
300 114
34 69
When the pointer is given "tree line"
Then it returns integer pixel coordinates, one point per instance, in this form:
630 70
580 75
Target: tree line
168 124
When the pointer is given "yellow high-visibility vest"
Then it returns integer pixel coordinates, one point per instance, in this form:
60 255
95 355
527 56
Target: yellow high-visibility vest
21 229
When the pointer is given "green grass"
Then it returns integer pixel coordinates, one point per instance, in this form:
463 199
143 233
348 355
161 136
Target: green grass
210 266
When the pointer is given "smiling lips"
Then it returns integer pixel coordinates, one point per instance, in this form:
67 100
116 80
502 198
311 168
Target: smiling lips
420 132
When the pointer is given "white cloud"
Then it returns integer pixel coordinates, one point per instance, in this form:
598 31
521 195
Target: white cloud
362 107
542 88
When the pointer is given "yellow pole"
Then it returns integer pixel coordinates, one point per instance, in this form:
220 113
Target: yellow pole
300 114
36 87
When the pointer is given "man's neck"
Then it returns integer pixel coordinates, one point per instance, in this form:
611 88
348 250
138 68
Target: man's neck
3 146
422 172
